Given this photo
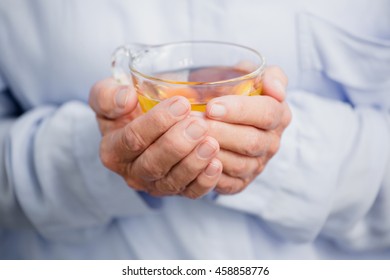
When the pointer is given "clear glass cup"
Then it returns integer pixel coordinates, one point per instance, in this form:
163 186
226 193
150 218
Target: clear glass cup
198 70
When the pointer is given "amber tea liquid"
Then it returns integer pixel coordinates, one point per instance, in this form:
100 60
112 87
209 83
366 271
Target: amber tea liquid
196 84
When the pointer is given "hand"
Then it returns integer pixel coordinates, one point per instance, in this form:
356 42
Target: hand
163 152
248 130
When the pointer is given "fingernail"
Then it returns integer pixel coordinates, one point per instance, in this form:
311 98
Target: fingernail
206 150
217 110
179 107
195 130
121 98
279 86
212 169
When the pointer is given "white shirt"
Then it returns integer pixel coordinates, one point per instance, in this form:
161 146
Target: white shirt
324 195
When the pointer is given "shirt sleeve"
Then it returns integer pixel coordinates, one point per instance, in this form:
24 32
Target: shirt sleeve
330 177
53 176
2 84
10 210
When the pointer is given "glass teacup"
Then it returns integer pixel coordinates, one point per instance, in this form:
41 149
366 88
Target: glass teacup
198 70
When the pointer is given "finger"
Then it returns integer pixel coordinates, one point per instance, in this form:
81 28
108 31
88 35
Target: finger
263 112
236 165
107 125
274 83
205 182
251 142
183 173
230 185
110 100
177 143
139 134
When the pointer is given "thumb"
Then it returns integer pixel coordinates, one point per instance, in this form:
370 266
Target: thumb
275 83
112 101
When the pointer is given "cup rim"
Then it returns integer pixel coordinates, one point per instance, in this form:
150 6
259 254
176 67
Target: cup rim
252 74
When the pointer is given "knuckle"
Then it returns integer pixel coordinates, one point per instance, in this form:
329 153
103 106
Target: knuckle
240 107
155 173
232 185
111 159
174 146
213 126
238 189
226 189
200 187
225 186
215 129
132 141
254 144
240 167
107 158
188 169
177 148
160 119
151 170
242 185
260 165
138 186
190 193
167 187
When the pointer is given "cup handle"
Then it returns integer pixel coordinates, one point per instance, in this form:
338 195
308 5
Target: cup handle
121 60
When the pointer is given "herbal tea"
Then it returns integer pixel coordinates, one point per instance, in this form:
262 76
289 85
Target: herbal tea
198 85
